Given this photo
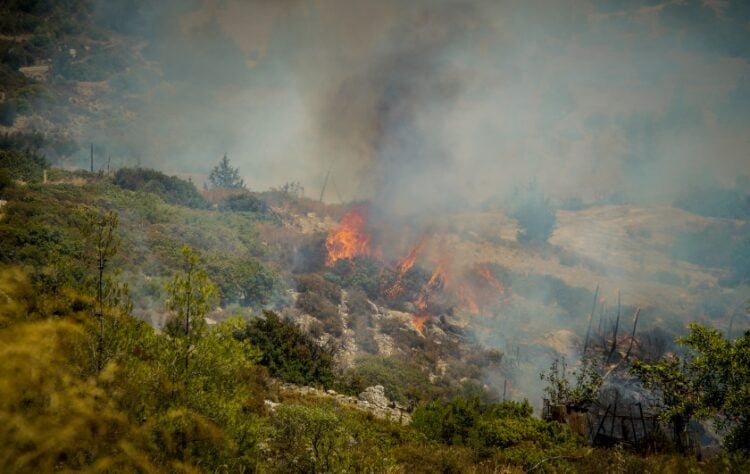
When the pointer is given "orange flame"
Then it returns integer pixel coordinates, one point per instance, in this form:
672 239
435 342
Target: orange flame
439 279
421 302
349 239
485 273
408 262
466 295
404 267
419 321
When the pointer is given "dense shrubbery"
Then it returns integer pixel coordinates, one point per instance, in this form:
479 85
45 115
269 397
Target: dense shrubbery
244 202
506 432
26 166
404 382
246 281
289 353
710 380
193 397
363 273
170 188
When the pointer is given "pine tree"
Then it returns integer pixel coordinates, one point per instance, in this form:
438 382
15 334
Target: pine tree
224 176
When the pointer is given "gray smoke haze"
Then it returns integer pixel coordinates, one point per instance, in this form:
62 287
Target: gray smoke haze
423 104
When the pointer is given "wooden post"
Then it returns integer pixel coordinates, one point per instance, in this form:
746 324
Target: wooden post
614 414
591 318
601 423
643 420
325 182
617 327
505 387
632 336
632 424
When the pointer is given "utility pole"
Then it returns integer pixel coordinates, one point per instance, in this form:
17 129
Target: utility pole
92 157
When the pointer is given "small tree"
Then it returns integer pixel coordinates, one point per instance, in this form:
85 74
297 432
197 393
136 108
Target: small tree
561 391
224 176
100 230
191 295
711 379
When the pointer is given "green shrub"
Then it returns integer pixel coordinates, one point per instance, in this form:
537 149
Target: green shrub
244 202
403 381
289 353
171 189
468 421
246 281
23 166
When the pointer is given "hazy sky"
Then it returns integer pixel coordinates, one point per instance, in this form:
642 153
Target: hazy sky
420 103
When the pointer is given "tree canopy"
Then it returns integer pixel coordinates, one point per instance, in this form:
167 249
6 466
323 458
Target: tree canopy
224 176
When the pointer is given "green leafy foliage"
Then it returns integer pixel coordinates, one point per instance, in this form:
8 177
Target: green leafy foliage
712 380
289 353
244 202
26 166
224 176
468 421
191 297
560 390
404 381
247 282
170 188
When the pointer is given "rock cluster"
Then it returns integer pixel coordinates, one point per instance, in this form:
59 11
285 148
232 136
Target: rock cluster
372 400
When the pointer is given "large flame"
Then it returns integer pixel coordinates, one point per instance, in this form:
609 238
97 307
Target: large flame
404 267
349 239
408 262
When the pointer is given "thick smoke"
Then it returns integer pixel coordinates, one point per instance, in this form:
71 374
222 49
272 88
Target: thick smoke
421 105
428 106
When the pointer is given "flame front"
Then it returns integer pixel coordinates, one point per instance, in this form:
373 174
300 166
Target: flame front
408 262
490 279
349 239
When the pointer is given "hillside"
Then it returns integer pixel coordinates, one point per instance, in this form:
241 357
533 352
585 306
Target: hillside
400 237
